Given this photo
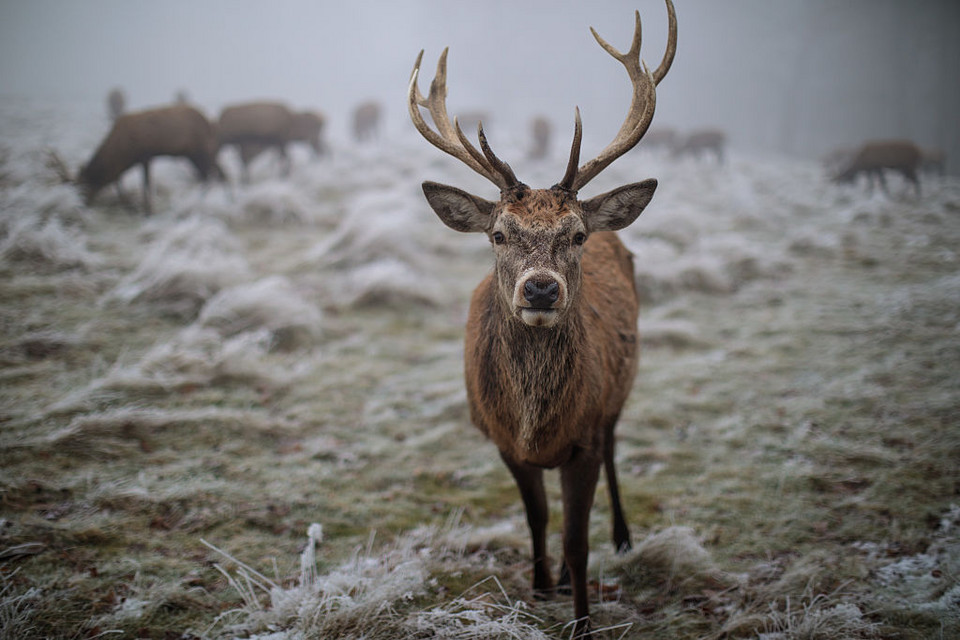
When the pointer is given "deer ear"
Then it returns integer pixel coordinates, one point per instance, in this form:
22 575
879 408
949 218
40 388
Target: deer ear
614 210
458 209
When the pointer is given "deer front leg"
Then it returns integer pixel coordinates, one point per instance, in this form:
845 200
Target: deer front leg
578 479
285 162
530 483
911 175
248 152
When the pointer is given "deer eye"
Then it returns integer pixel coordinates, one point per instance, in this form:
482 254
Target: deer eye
579 238
498 237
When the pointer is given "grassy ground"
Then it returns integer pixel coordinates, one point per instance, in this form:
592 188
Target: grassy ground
788 458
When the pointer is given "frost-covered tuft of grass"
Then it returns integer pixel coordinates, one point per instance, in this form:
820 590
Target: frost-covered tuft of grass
48 244
372 595
673 559
116 432
818 618
379 225
196 357
383 283
184 266
272 304
265 202
16 605
201 356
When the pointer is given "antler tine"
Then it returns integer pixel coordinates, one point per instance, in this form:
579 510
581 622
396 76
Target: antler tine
448 137
643 102
465 142
671 50
571 173
499 165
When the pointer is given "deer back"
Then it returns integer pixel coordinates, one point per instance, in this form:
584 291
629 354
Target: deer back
256 122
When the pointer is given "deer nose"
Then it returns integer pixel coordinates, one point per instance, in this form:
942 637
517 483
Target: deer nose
541 295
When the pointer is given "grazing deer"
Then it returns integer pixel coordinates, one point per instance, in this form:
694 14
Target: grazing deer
307 127
366 121
255 126
551 339
934 161
137 138
660 138
700 142
873 157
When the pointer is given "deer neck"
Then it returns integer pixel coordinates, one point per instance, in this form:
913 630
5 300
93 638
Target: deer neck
542 374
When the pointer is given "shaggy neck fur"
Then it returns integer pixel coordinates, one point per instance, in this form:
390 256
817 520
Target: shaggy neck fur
532 376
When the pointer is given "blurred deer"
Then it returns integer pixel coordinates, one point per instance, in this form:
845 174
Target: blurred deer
138 137
660 138
551 339
116 103
873 158
933 161
540 130
308 127
366 121
698 143
255 126
835 160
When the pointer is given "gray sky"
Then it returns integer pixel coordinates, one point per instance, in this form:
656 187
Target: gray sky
788 75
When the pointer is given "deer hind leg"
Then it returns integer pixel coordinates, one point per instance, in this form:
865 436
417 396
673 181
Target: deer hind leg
530 483
578 479
146 187
883 182
621 532
911 175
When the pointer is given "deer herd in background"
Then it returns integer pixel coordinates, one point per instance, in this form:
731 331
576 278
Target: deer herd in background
180 130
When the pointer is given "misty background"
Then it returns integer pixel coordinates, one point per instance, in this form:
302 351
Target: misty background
800 77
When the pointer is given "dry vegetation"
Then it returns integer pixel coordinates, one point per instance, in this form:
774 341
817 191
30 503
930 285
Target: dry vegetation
183 397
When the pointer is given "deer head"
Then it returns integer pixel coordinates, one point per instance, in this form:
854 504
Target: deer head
538 235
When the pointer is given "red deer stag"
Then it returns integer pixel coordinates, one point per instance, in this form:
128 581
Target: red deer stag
137 138
873 157
551 339
255 126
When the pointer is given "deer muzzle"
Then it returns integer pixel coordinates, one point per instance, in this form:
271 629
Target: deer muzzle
539 297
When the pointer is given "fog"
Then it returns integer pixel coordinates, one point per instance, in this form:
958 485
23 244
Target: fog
793 76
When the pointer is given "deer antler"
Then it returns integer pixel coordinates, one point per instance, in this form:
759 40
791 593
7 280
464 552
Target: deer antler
449 138
642 105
